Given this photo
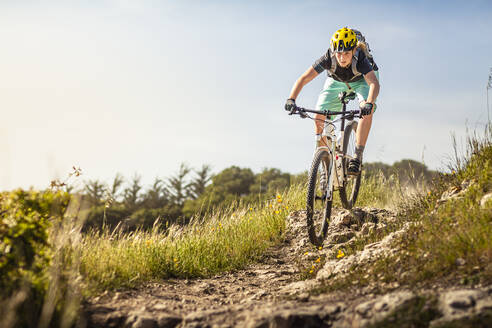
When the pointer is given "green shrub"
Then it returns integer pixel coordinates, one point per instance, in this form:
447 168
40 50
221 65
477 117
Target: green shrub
25 250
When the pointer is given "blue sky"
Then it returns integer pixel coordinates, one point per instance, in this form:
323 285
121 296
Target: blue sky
141 86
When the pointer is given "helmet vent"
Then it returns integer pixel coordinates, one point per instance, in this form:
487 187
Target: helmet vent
346 34
336 36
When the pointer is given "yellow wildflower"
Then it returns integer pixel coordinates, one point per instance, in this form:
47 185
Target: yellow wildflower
306 253
279 200
311 271
175 260
318 260
276 212
250 208
340 254
320 248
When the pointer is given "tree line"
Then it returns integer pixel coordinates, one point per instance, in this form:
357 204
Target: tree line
193 192
176 199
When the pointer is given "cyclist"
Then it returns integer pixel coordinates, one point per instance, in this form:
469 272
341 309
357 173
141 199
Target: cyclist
349 65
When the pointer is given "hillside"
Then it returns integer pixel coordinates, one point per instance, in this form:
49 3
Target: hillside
413 254
423 263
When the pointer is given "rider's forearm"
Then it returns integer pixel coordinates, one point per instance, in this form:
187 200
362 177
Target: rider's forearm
296 89
373 93
305 78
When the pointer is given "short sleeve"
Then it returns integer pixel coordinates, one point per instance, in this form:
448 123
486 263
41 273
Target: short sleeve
363 64
324 62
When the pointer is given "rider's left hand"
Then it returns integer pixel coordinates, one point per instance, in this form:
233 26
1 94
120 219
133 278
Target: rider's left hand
366 108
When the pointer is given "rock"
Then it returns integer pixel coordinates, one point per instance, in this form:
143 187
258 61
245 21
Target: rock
460 261
464 308
485 199
367 228
343 219
312 316
160 307
168 321
303 297
342 237
460 299
140 321
364 309
453 193
373 312
333 309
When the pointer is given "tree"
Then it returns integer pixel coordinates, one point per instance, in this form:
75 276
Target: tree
234 181
227 186
157 195
198 185
411 171
131 196
270 181
116 185
94 189
179 188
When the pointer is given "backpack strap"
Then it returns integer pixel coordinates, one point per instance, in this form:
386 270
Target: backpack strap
333 68
333 62
355 59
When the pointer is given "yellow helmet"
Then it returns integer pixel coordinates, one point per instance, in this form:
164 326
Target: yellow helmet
343 40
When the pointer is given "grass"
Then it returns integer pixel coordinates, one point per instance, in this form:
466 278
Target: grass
224 241
449 242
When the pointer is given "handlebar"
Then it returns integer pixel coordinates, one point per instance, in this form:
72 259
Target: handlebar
345 114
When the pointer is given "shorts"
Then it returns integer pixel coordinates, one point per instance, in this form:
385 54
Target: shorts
328 98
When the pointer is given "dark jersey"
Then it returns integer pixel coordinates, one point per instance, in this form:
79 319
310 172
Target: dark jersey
345 74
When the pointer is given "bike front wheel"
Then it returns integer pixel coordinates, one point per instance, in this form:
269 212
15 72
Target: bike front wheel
318 208
350 189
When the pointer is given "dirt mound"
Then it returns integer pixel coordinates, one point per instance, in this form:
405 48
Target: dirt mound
272 294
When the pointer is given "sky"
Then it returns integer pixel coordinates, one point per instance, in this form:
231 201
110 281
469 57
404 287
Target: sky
138 87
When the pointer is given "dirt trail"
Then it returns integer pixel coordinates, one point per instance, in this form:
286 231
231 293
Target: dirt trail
269 293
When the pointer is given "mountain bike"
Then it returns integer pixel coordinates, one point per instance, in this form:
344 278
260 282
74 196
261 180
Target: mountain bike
328 171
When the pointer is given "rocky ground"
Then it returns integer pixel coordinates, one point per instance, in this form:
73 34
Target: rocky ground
274 292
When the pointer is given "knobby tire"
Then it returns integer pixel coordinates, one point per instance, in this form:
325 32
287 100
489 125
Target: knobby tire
318 208
350 190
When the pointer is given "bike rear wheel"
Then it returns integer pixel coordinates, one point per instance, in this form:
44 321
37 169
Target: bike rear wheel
350 189
318 207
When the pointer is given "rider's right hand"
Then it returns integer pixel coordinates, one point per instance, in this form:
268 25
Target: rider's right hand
290 105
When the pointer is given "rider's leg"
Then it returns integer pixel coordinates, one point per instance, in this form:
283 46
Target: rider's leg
361 135
319 124
365 123
328 100
363 129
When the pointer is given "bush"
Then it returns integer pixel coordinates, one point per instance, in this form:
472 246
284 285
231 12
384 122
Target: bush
25 250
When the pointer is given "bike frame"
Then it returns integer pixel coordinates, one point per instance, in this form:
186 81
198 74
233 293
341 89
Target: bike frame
338 175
